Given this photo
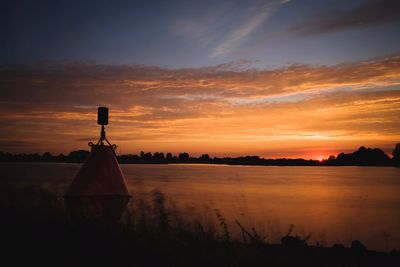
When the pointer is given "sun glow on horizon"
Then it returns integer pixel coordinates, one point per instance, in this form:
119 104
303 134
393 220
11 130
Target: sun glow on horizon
170 110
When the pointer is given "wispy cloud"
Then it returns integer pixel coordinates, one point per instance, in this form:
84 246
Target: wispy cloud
205 26
258 14
368 13
219 108
225 27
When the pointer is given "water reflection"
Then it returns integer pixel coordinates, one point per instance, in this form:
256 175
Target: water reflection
336 204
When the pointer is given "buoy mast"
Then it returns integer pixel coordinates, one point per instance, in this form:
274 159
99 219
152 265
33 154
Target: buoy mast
98 191
102 119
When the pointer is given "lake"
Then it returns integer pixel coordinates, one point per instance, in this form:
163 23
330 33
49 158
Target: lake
335 204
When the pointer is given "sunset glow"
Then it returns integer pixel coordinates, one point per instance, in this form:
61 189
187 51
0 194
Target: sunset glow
234 103
200 132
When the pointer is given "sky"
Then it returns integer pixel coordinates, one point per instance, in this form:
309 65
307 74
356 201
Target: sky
273 78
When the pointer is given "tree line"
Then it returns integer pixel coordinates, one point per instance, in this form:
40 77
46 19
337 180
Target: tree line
362 157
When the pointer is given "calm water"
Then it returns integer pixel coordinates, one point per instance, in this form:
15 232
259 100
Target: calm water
336 204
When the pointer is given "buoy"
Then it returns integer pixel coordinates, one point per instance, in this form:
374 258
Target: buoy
98 191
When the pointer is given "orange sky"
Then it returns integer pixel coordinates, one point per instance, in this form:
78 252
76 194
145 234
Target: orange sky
298 111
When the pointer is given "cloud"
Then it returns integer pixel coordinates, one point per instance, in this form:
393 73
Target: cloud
13 144
258 16
222 109
204 25
226 26
81 86
369 13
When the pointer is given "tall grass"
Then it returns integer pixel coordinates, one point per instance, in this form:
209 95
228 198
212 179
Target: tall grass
35 229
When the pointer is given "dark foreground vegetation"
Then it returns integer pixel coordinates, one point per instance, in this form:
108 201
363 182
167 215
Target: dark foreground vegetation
35 231
362 157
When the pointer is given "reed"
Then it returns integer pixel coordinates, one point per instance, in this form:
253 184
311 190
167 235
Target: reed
35 229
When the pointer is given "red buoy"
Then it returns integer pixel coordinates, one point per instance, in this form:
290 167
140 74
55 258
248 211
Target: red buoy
99 191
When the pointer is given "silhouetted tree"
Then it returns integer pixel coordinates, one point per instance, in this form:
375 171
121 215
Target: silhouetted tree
183 156
396 152
78 156
61 158
205 158
146 156
158 156
364 157
47 156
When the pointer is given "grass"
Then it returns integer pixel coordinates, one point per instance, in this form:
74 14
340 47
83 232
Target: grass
35 229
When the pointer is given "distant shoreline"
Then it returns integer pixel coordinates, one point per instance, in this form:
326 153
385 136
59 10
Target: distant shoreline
365 157
207 164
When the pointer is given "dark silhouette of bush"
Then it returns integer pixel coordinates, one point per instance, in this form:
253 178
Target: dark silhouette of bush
364 157
396 154
358 246
158 156
205 158
47 157
78 156
183 157
146 156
